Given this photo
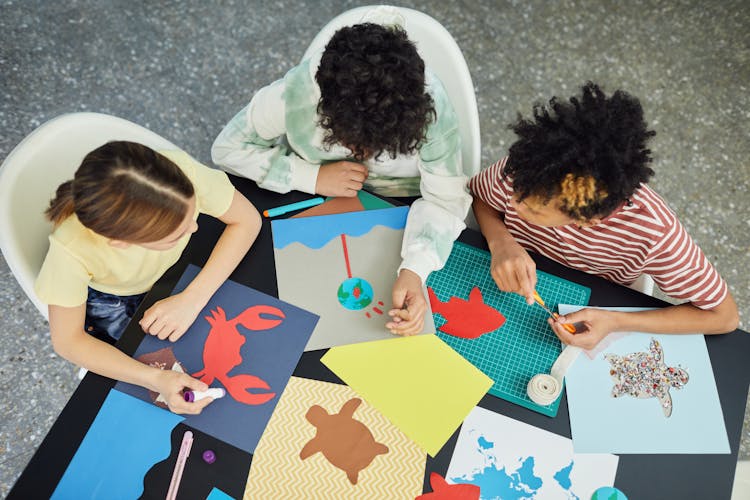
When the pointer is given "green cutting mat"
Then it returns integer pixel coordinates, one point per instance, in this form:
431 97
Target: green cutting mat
525 345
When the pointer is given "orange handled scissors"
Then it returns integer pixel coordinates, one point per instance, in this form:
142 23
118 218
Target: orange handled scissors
569 327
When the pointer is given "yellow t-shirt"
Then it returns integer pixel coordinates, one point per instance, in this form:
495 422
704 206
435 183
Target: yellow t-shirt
79 258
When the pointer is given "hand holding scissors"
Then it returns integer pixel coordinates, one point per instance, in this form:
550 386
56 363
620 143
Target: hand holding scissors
569 327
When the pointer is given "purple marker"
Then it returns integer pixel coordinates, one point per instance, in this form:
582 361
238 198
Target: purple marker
192 396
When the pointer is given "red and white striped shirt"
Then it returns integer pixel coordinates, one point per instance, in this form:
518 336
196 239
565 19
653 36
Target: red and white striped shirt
644 237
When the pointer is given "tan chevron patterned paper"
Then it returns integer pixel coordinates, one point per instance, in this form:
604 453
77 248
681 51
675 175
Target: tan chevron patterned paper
277 472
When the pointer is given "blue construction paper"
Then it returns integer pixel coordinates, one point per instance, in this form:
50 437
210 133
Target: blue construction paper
269 354
315 232
127 437
600 423
217 494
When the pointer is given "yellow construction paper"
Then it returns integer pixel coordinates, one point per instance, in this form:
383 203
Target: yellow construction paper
277 471
422 385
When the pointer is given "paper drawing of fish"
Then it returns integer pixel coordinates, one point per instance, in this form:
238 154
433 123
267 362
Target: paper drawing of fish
468 319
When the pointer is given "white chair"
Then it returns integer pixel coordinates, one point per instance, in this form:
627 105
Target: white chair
442 56
30 174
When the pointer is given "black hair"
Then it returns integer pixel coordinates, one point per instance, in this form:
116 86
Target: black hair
373 94
595 138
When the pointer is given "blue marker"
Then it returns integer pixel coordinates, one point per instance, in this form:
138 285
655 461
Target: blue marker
273 212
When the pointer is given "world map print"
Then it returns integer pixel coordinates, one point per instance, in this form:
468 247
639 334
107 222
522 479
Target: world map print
503 481
512 460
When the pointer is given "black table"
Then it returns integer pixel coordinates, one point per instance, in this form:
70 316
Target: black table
639 476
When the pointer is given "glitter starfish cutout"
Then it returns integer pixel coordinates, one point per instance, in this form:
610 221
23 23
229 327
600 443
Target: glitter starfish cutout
644 375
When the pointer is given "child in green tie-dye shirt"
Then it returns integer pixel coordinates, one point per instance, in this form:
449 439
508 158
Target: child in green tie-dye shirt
363 113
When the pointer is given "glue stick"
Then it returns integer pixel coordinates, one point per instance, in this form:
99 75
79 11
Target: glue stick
192 396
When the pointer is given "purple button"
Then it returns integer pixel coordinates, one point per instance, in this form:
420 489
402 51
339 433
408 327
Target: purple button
209 456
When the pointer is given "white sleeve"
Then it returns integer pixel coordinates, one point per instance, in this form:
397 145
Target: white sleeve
250 146
434 223
437 219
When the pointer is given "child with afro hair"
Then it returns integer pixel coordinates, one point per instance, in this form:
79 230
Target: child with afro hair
574 188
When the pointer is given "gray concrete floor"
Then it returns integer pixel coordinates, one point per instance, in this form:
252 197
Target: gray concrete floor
183 69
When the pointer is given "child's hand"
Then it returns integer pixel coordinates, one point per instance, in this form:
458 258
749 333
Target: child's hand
409 305
592 325
171 317
513 270
340 178
171 385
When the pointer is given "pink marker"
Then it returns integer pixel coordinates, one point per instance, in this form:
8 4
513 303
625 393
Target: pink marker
192 396
179 466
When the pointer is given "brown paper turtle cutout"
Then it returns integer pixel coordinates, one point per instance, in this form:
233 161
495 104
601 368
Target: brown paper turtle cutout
346 443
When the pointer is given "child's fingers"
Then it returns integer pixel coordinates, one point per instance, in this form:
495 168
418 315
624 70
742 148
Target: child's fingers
180 406
401 319
151 315
178 384
202 403
152 325
176 334
160 329
526 284
399 298
409 327
399 314
147 320
531 273
193 383
583 338
196 407
565 337
407 321
531 284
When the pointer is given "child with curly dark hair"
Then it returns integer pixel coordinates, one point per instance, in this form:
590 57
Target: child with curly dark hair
363 113
573 188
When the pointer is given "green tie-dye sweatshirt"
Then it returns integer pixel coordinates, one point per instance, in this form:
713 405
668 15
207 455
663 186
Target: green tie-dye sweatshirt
276 141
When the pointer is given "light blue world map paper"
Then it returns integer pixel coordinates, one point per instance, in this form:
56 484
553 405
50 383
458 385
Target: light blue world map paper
600 423
511 460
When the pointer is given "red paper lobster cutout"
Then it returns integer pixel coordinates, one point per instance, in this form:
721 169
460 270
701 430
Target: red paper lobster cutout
221 352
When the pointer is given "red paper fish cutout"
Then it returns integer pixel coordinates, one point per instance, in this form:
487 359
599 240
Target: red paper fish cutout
441 490
467 319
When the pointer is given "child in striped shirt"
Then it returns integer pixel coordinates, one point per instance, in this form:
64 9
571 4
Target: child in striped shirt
573 188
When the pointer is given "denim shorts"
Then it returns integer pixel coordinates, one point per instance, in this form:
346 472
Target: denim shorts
107 315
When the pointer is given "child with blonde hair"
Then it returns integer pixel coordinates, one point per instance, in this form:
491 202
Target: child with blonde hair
119 224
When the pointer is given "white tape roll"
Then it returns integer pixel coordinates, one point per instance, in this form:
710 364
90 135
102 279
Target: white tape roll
544 389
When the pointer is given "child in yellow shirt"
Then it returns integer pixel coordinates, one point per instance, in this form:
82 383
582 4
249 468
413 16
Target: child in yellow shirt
122 221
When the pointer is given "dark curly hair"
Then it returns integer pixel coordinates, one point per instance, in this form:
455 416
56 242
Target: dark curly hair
591 150
373 95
